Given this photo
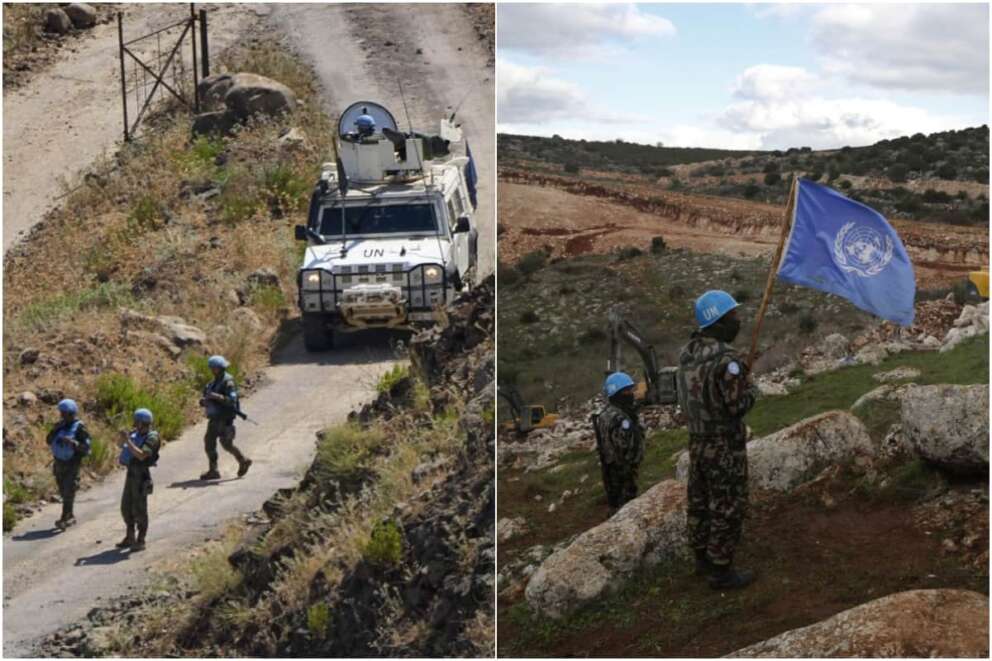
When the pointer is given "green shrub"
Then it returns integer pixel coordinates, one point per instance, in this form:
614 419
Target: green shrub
529 317
269 298
9 517
572 168
344 449
898 172
101 454
319 619
787 307
532 262
772 178
657 245
628 252
742 296
392 377
751 190
385 546
846 184
507 275
118 396
807 324
46 312
145 214
947 171
287 190
592 334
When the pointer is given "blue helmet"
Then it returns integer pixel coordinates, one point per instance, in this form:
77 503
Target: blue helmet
217 361
68 406
143 415
617 382
365 123
712 305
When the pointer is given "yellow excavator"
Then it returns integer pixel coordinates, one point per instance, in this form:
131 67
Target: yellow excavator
978 285
659 386
526 417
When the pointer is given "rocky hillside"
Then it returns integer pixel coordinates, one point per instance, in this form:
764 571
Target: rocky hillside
942 177
868 472
386 548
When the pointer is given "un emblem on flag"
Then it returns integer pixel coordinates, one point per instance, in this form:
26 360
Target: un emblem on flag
862 250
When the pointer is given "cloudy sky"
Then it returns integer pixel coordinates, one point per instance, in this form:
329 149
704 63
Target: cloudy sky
741 76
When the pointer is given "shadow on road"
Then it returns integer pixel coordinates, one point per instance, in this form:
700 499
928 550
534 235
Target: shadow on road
369 346
36 534
197 483
108 557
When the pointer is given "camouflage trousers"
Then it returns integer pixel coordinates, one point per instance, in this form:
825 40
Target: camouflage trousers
222 429
134 500
67 480
717 494
620 482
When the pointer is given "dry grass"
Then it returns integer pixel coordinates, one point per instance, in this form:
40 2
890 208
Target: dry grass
135 235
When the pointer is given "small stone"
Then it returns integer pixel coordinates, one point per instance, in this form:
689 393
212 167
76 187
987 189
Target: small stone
27 398
29 356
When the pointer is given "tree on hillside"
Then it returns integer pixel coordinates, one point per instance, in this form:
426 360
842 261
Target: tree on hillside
898 172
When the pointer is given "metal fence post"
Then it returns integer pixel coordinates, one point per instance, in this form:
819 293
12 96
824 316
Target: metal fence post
192 40
204 44
120 53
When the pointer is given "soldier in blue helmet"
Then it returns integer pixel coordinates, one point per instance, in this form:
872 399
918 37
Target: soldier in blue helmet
365 126
69 442
619 440
220 402
715 392
139 452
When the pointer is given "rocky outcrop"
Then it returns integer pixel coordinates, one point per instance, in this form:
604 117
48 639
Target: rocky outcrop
81 14
232 99
784 460
646 531
57 21
948 425
914 624
973 321
174 329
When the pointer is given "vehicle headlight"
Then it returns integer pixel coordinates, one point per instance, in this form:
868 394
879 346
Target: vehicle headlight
311 280
433 275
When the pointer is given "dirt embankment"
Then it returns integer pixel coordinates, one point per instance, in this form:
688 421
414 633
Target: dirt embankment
939 252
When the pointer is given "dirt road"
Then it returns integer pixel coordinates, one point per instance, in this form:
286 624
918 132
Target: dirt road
53 579
64 118
364 52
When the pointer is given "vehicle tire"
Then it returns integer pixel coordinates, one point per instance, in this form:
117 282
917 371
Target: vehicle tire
971 293
316 335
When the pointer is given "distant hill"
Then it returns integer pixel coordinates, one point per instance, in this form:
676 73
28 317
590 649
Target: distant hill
615 155
940 177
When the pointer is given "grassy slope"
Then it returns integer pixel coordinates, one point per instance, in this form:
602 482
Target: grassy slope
675 602
563 353
135 236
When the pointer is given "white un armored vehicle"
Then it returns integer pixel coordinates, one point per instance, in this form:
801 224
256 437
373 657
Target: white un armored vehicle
391 234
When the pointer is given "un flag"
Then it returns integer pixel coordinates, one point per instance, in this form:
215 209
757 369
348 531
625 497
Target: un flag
845 248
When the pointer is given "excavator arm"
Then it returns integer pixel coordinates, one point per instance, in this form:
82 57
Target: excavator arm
660 381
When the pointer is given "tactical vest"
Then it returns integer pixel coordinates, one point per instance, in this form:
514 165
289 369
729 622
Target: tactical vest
616 443
139 441
221 386
61 448
698 371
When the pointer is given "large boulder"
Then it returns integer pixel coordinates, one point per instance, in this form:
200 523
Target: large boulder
57 21
216 122
948 425
81 14
174 329
212 90
836 346
914 624
251 94
647 530
797 454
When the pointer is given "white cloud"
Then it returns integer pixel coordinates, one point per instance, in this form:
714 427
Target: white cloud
914 47
779 107
770 81
532 95
575 29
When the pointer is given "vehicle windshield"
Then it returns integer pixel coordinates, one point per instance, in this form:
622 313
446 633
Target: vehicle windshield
378 219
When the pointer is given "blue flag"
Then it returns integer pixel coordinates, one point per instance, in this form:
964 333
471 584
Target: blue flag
845 248
471 177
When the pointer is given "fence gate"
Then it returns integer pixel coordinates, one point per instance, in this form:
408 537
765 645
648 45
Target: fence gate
161 64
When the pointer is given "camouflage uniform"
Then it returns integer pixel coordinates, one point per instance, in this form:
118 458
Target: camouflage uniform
220 419
715 393
620 442
138 484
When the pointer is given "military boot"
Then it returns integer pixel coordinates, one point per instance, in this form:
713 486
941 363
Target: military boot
243 467
703 565
139 544
211 474
725 577
128 539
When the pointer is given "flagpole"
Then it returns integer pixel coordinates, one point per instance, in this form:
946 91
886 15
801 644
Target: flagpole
786 224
